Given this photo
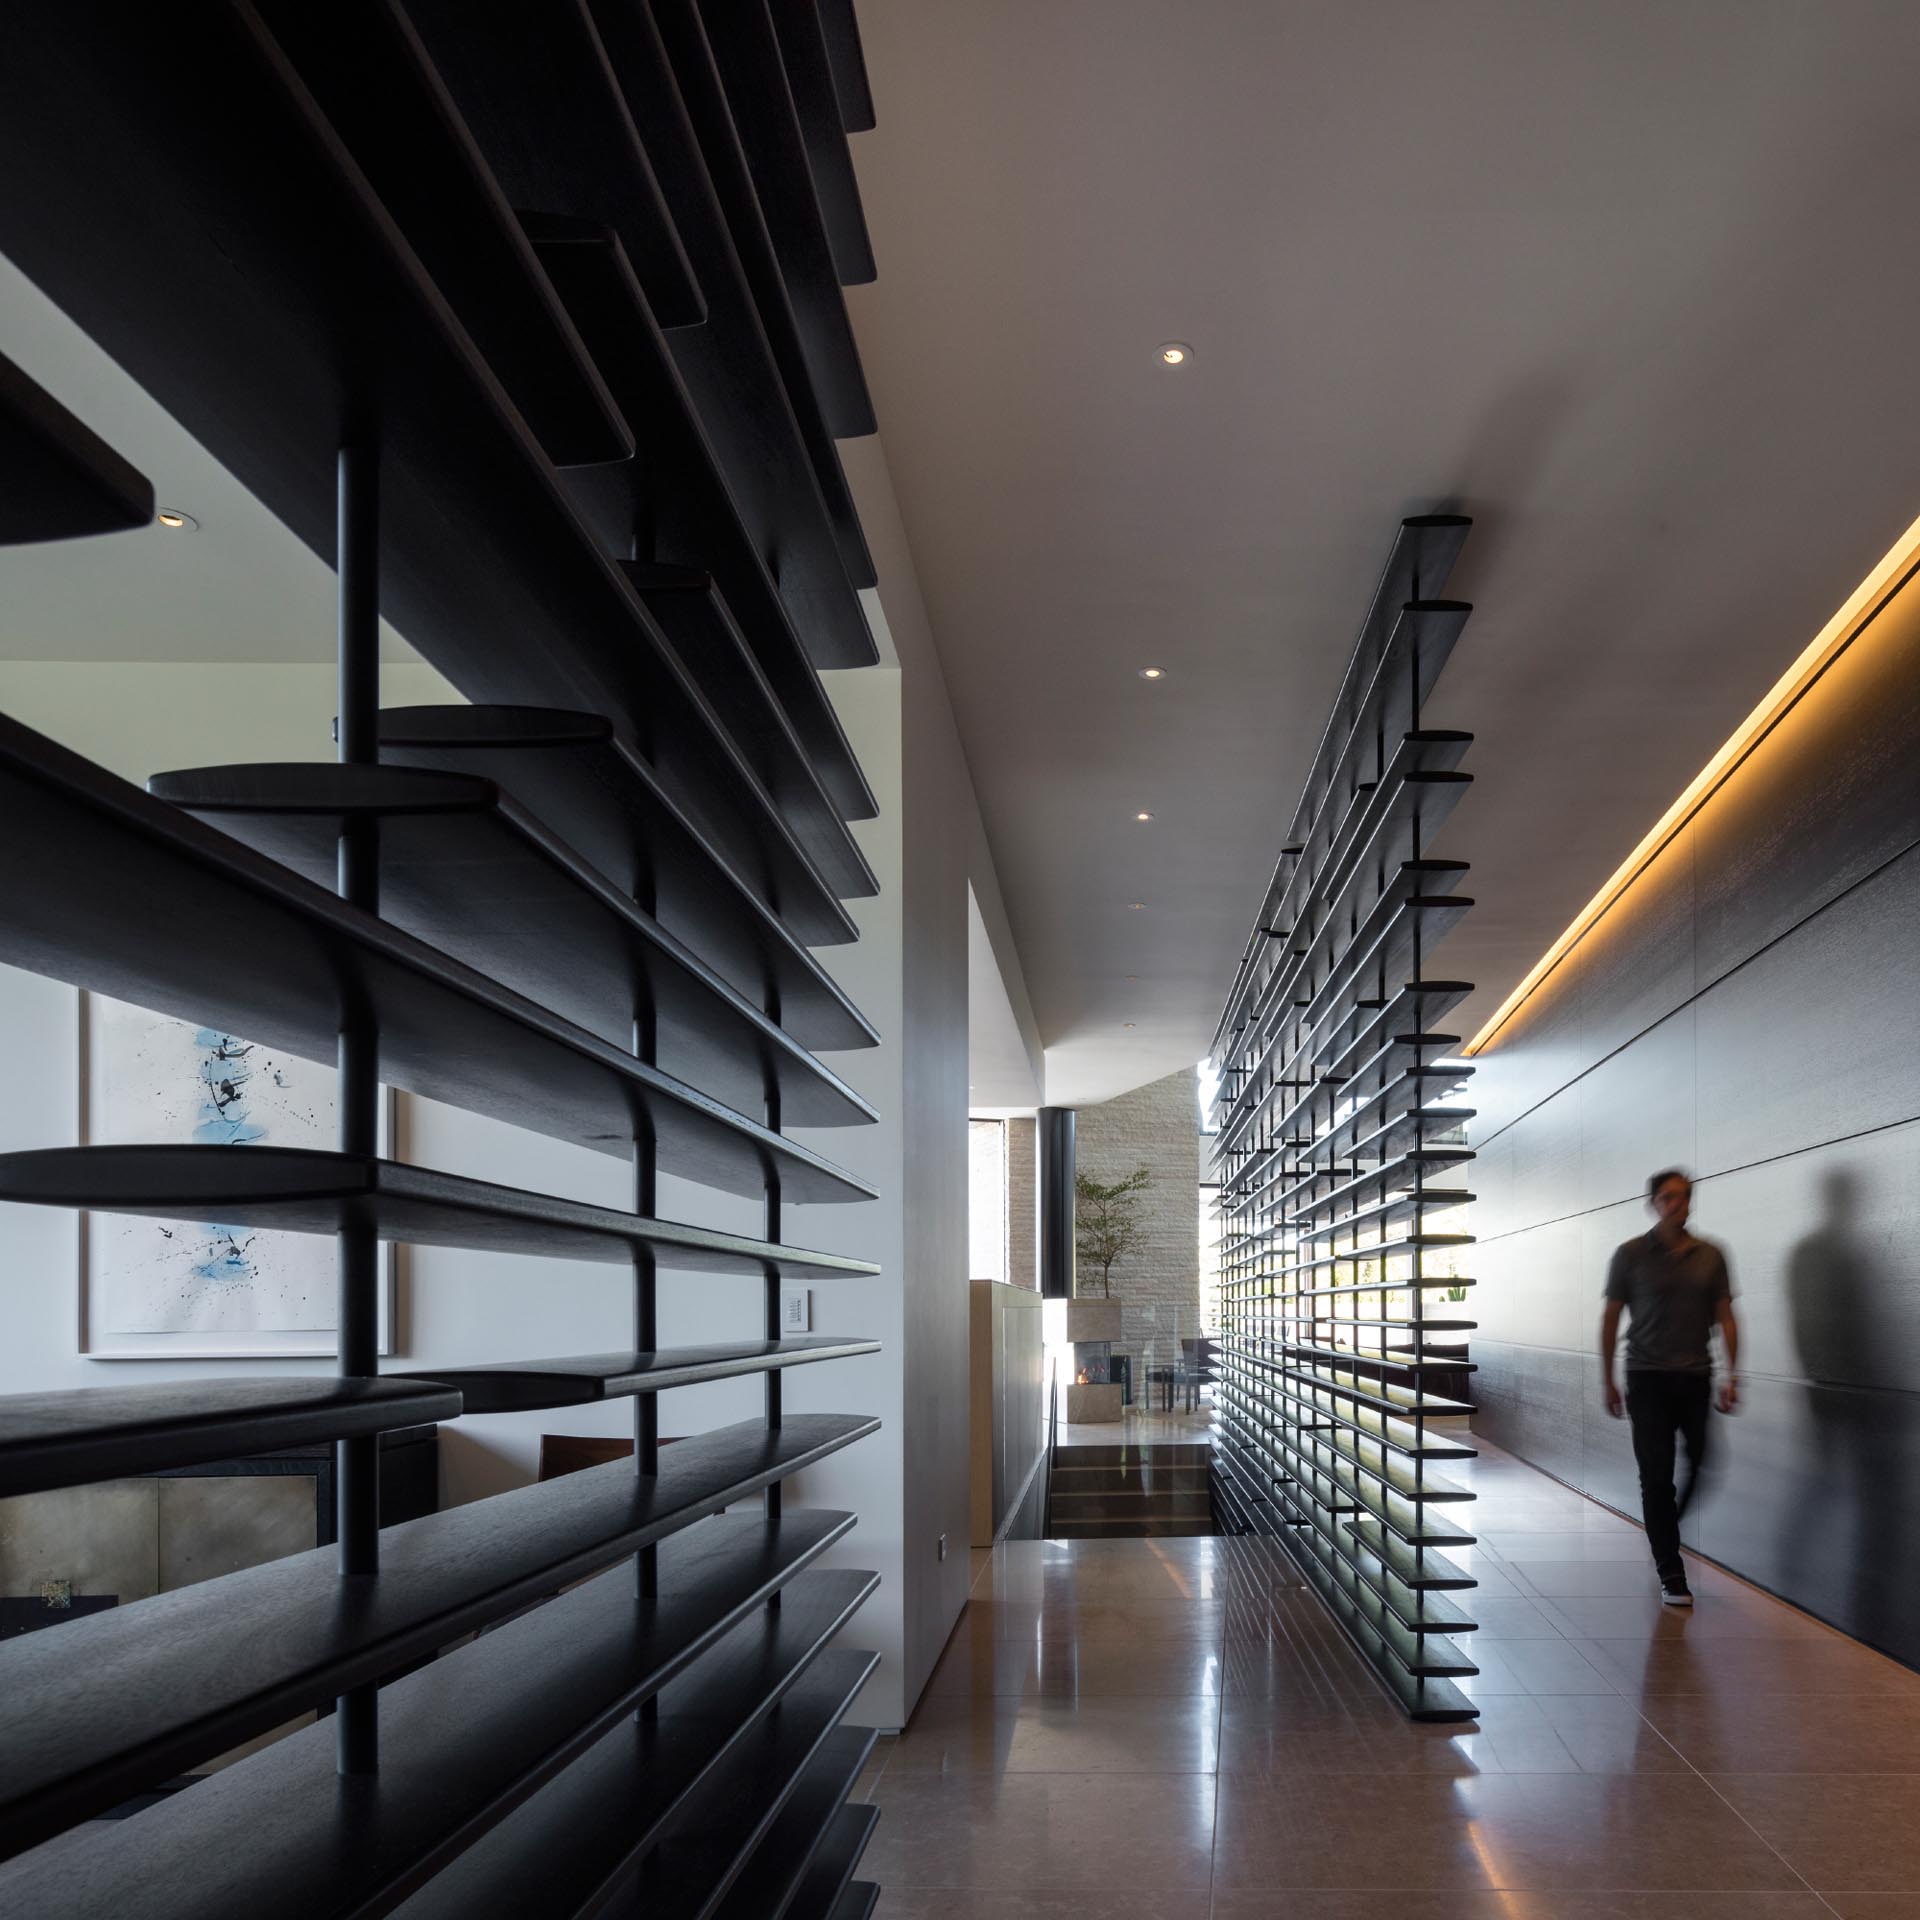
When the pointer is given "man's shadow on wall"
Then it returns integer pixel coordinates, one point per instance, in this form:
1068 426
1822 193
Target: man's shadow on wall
1853 1501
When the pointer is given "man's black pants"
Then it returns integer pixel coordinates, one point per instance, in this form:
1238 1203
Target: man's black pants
1663 1408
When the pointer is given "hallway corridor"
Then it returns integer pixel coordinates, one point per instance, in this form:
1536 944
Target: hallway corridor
1167 1729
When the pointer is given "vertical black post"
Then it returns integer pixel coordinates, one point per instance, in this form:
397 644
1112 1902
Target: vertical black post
772 1285
646 1316
357 1462
1054 1150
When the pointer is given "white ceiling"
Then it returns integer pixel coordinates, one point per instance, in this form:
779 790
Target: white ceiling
1631 283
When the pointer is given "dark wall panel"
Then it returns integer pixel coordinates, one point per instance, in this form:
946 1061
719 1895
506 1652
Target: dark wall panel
1750 1009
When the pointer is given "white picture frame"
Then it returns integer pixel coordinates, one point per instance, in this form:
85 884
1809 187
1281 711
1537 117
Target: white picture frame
152 1289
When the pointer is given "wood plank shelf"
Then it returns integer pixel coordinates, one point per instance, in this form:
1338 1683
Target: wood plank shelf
63 481
713 1838
578 1846
469 871
750 56
105 1704
808 60
316 1190
696 521
572 773
116 891
823 1891
700 627
548 133
107 1433
767 1885
468 1739
537 94
711 172
392 111
519 1386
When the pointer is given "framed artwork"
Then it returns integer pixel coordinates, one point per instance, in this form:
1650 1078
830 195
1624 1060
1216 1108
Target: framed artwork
189 1289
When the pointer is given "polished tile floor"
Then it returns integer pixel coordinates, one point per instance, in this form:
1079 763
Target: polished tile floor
1169 1729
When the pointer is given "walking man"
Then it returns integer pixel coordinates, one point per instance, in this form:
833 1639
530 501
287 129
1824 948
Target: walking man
1676 1291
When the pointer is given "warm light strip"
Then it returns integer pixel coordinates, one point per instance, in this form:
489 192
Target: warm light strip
1866 600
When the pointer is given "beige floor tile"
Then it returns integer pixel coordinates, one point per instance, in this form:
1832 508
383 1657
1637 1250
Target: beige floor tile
1531 1666
1030 1833
1509 1617
1716 1615
1738 1667
1740 1732
1078 1666
1256 1904
1856 1833
1004 1903
1537 1832
1630 1577
1562 1733
1875 1906
1124 1734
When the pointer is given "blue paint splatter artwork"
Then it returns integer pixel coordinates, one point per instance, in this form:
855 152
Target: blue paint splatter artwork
152 1078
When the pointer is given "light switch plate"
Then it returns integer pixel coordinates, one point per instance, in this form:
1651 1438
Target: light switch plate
796 1310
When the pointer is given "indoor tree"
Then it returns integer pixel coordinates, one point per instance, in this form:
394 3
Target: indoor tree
1106 1220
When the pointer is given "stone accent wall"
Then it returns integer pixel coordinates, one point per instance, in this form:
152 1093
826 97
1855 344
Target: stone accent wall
1157 1127
1022 1198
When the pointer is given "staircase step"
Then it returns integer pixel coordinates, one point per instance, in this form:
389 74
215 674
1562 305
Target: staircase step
1179 1527
1130 1506
1170 1453
1157 1477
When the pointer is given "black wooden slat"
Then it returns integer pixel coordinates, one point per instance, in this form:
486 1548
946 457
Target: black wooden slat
711 1843
849 65
820 1894
474 874
367 70
700 627
666 67
114 890
106 1433
767 1885
464 1741
62 481
748 56
574 1848
535 86
809 66
858 1902
319 1190
517 1386
681 505
102 1706
572 773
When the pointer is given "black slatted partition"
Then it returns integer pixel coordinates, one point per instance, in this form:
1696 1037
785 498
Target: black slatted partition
529 321
1341 1162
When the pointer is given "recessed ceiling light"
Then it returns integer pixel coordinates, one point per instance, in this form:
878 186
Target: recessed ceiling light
1133 976
1128 1024
1143 816
1153 673
177 522
1175 353
1134 906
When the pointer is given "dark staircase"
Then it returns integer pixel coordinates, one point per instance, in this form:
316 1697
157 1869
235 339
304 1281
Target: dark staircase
1130 1491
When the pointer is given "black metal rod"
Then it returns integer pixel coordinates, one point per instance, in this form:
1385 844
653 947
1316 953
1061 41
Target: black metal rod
357 1462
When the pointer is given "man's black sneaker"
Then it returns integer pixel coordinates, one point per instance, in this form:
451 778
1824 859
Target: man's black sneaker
1675 1593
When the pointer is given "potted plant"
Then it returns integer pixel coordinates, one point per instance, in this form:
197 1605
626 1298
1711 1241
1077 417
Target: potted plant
1107 1226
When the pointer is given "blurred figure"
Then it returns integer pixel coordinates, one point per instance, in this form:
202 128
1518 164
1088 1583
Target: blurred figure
1676 1290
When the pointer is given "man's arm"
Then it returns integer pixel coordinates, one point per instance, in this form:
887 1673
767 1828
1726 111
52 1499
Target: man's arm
1609 1335
1730 1341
